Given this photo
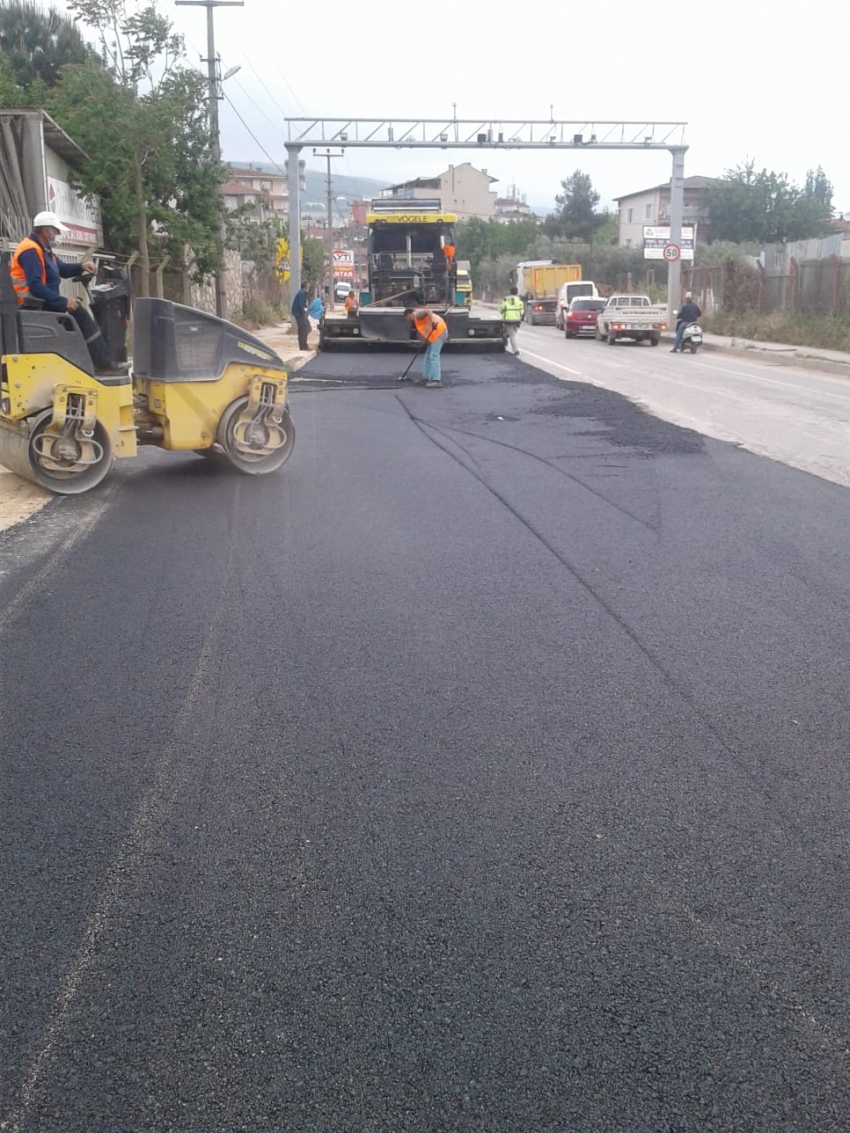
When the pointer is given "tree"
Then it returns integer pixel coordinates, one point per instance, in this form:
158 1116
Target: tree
314 257
142 119
258 242
609 228
764 206
819 188
34 46
576 218
478 239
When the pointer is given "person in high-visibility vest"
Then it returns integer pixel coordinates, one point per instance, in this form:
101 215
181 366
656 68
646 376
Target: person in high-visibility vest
434 331
37 273
512 310
351 301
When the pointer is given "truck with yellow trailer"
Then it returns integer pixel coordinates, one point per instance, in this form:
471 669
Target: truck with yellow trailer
198 384
538 283
411 262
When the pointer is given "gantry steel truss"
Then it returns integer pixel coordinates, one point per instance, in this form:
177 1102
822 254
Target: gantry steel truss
468 133
474 133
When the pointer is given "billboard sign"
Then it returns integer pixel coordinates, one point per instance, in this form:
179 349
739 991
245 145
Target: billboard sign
81 219
344 264
656 239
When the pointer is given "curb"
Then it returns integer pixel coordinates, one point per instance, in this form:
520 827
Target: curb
776 357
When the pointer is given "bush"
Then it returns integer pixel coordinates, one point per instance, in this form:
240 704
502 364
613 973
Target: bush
256 314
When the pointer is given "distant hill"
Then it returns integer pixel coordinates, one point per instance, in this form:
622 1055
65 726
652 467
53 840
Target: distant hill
352 188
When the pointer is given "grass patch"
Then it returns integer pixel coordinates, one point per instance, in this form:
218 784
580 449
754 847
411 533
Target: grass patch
256 315
824 332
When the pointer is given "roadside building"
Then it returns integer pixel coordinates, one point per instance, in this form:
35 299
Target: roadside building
461 189
267 194
38 161
513 207
652 207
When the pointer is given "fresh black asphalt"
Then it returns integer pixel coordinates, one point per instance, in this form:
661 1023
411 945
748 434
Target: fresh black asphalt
484 769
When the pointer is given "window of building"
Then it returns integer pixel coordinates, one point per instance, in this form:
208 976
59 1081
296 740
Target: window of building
266 185
647 214
629 215
629 239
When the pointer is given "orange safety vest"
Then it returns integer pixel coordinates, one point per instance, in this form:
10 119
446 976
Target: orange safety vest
350 302
19 276
430 326
449 251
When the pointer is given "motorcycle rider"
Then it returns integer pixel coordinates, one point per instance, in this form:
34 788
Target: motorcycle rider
689 313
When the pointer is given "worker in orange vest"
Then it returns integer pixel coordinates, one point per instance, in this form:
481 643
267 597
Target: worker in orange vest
449 253
433 329
351 301
36 274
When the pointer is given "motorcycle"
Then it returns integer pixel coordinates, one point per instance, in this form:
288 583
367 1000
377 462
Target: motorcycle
692 337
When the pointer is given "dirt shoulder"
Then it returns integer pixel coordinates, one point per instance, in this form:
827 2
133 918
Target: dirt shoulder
19 499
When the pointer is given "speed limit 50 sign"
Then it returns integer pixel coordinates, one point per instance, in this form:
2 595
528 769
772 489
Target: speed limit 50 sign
672 252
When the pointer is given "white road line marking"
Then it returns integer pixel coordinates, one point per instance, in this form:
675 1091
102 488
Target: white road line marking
549 362
772 381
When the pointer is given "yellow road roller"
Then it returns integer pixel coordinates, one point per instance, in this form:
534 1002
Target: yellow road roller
198 383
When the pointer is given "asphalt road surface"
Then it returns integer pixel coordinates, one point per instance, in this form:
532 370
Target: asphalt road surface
796 415
484 770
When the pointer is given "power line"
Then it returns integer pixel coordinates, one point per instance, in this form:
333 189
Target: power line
254 136
263 84
256 106
291 91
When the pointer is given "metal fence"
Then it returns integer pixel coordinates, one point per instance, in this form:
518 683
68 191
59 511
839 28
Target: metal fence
779 280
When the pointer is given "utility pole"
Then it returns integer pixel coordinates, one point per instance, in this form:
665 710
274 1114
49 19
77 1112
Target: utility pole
294 184
214 94
329 157
677 208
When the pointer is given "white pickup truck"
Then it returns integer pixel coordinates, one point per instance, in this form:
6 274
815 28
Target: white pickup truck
631 316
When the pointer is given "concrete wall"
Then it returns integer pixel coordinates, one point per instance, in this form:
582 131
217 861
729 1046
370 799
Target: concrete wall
202 295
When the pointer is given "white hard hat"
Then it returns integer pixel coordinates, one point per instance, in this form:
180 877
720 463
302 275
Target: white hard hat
48 220
689 295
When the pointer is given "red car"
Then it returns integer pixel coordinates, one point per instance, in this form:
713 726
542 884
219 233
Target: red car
581 317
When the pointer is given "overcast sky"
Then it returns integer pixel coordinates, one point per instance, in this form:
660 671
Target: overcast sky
749 77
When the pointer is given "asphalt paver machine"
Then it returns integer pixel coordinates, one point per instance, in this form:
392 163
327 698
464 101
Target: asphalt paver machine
410 263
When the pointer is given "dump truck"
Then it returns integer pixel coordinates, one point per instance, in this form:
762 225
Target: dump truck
410 263
538 283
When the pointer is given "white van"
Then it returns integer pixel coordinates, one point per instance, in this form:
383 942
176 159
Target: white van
342 289
579 289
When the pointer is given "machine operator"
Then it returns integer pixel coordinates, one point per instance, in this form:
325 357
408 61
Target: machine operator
36 274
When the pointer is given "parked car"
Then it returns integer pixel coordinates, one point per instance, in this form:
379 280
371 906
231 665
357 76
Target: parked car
581 317
575 289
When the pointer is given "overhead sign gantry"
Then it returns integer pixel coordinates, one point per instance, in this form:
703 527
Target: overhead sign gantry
506 134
